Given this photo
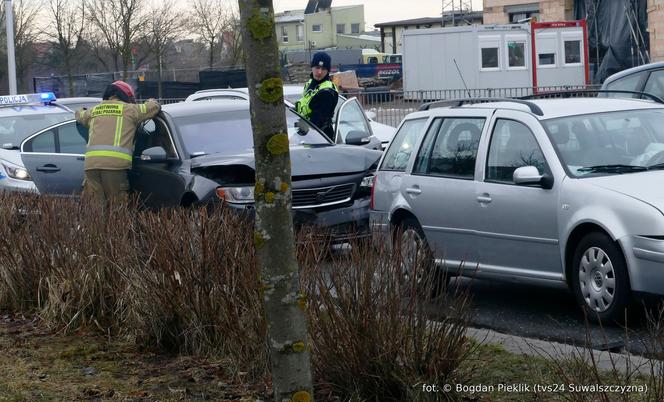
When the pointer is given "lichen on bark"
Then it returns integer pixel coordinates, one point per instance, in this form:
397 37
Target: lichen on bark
261 24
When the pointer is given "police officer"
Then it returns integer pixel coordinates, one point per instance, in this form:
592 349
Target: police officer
320 95
112 125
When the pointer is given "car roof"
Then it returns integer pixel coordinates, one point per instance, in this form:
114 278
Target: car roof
554 108
182 109
288 90
633 70
66 101
32 110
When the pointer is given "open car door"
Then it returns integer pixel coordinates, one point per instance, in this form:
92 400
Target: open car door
352 126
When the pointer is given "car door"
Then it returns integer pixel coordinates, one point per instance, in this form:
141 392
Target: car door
55 157
518 232
351 119
157 183
440 188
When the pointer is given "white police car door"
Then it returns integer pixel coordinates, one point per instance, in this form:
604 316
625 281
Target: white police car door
352 121
54 157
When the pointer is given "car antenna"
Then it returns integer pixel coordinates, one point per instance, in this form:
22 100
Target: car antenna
462 80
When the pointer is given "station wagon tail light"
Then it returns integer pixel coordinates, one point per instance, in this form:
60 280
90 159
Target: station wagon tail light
373 189
237 195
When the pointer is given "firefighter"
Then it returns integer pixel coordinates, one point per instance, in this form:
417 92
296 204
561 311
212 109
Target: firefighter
320 95
112 125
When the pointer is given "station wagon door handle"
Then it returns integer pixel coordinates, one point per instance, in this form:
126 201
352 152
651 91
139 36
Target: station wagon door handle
413 190
49 168
484 199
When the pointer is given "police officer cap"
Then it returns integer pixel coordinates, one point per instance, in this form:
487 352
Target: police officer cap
321 59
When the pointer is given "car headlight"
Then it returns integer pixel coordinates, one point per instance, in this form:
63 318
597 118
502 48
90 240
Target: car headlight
239 195
16 172
367 182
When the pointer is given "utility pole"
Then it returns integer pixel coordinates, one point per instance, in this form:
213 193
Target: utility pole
11 56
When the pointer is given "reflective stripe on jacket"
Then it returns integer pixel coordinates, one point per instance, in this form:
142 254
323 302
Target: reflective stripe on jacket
112 126
303 104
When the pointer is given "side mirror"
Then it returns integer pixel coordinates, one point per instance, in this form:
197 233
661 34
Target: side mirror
529 175
154 154
357 138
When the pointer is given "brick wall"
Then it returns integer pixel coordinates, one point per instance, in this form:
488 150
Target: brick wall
550 10
656 29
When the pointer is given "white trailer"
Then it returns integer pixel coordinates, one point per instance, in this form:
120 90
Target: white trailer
481 57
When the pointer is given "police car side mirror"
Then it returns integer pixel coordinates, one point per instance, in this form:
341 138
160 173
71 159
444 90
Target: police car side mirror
154 154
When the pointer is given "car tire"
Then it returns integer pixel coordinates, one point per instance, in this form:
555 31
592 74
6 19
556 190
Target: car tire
430 280
599 278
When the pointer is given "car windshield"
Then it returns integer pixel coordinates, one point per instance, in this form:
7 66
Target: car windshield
609 143
230 132
14 128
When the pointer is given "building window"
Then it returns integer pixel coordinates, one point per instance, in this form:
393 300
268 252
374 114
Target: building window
489 57
316 28
355 28
547 59
516 54
572 52
284 34
524 17
299 33
341 28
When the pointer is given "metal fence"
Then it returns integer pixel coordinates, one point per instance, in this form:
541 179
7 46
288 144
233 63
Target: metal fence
390 107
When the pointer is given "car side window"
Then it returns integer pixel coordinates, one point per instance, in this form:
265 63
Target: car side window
154 134
351 118
512 145
70 140
629 83
43 143
655 84
454 150
403 144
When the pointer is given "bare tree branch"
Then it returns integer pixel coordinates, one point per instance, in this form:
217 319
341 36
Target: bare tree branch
66 27
209 19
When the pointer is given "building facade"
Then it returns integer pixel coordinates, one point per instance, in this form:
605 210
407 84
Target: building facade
391 32
656 29
322 27
511 11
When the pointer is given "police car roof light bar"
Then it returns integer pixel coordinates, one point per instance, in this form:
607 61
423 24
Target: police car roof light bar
27 99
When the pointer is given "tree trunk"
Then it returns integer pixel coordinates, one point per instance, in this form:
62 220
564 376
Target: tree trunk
159 79
70 78
273 236
212 53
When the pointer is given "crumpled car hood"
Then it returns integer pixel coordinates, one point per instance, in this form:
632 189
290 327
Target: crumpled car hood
305 160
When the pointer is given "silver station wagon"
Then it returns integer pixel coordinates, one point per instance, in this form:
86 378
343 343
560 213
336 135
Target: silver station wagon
559 192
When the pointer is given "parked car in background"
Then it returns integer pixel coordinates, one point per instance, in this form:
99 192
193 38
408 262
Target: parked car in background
78 102
557 192
202 153
20 116
293 93
646 78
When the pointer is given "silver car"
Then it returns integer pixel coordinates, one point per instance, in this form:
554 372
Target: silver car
559 192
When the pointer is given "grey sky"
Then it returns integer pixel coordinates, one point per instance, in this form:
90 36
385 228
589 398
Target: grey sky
377 11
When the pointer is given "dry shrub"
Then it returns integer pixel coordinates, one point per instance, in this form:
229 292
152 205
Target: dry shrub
371 336
186 280
197 288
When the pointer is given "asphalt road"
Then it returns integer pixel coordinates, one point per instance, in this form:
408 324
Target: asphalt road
549 314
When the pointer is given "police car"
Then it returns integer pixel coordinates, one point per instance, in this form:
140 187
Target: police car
21 116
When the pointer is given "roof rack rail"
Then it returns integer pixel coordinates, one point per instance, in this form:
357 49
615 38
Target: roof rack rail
571 92
469 101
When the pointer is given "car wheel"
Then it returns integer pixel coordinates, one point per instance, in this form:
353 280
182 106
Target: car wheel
600 279
418 269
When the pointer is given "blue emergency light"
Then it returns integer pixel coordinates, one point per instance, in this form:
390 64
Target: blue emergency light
27 99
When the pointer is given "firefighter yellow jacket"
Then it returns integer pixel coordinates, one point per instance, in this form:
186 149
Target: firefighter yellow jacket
112 125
